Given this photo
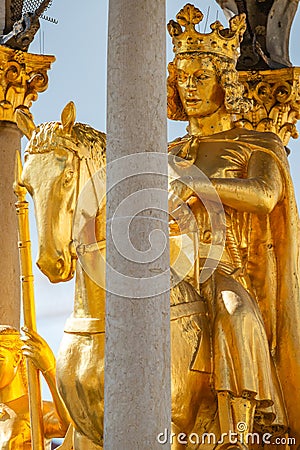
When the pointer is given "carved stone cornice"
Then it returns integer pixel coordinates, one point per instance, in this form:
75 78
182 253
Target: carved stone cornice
22 76
276 101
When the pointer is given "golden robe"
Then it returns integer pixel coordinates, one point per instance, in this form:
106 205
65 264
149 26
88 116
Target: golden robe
255 312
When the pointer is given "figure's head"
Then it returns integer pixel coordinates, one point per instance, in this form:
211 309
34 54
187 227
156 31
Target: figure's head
11 356
202 76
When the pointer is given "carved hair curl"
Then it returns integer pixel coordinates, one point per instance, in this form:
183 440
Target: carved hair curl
227 76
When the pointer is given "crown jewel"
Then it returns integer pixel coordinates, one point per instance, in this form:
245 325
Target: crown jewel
222 41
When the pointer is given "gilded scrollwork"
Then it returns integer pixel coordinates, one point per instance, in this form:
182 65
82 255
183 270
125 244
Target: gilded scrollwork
276 102
22 77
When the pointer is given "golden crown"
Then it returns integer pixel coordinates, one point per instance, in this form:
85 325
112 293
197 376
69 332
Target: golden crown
222 41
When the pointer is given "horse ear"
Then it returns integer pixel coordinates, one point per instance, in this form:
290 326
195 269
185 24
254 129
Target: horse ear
68 117
25 123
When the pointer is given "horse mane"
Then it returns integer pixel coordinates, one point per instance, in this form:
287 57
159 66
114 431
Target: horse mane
93 140
49 133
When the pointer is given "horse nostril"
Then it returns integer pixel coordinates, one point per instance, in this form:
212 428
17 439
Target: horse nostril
60 265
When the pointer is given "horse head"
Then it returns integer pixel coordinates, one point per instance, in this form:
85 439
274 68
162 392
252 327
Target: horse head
59 159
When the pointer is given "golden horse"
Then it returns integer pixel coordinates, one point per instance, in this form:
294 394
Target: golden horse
59 159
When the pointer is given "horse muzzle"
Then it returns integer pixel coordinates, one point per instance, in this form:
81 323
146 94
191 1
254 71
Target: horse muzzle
57 269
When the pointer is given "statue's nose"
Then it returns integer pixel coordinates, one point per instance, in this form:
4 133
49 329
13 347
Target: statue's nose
191 84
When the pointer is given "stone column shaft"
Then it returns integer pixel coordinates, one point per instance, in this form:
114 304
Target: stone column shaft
137 358
10 142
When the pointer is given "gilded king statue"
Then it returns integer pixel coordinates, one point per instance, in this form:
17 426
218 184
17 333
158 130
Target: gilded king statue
252 296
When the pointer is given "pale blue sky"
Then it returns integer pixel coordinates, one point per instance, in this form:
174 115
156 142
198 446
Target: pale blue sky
79 42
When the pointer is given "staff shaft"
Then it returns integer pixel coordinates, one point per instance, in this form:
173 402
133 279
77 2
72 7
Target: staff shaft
27 285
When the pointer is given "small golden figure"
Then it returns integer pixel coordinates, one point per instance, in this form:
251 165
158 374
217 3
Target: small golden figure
14 402
252 296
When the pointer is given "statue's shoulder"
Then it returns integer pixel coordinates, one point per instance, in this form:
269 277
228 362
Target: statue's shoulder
263 139
248 140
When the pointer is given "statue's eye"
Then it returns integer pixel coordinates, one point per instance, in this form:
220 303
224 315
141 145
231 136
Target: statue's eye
182 77
202 76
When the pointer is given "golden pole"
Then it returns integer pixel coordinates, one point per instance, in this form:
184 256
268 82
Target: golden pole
24 244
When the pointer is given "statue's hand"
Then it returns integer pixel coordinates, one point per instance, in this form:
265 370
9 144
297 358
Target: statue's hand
37 349
179 192
181 217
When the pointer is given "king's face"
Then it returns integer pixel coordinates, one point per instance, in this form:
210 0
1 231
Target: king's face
200 91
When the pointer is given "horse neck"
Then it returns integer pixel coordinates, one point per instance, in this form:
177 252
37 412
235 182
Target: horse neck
89 295
90 274
90 290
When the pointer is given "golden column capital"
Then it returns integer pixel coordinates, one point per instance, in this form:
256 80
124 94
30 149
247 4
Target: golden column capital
22 76
276 101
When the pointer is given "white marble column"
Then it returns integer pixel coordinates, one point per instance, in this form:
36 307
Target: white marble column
10 142
137 360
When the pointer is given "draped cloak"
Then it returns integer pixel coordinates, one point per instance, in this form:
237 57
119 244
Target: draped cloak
273 268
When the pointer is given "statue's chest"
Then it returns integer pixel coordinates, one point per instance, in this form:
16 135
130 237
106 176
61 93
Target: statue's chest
222 160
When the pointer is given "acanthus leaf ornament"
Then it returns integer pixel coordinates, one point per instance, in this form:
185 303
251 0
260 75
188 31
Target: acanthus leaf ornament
22 77
276 101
